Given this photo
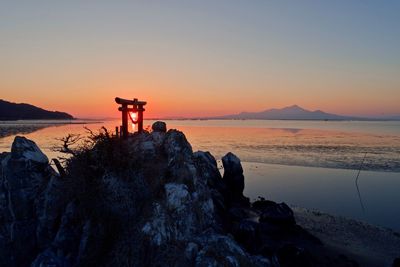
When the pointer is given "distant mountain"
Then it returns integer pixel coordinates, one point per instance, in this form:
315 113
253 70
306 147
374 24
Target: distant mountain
288 113
393 117
14 111
396 118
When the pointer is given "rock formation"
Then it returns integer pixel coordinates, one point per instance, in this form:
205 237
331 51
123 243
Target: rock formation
147 200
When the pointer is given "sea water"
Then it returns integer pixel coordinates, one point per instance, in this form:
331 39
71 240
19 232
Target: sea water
313 164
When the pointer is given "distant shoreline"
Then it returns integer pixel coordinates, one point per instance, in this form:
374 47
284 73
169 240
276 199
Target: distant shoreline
51 121
10 127
99 120
222 119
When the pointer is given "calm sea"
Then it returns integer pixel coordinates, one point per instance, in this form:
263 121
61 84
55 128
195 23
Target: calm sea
313 164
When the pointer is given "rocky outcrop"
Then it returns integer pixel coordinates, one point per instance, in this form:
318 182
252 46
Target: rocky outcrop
147 200
25 172
151 210
159 126
233 175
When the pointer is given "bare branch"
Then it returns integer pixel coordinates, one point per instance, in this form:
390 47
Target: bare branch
68 141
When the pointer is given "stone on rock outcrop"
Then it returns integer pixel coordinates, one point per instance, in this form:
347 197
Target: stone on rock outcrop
240 212
177 195
159 126
245 232
220 250
158 138
191 251
233 174
207 166
24 149
261 203
25 172
177 147
176 218
278 214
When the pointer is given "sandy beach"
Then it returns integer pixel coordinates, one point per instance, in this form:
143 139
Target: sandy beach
369 245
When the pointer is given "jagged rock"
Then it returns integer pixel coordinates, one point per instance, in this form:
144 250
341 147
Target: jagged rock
3 155
24 149
146 200
177 147
233 174
207 166
238 213
220 250
245 232
177 196
158 138
25 172
262 204
191 251
291 256
279 214
272 212
159 126
396 262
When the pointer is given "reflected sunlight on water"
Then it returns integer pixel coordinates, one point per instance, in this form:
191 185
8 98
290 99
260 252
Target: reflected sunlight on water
301 143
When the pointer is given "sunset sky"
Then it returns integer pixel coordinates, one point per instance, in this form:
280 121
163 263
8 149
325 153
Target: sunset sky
201 58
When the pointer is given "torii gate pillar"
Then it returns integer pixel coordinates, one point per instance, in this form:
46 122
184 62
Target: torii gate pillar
137 109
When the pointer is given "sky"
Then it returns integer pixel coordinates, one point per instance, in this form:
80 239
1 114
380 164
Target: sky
202 58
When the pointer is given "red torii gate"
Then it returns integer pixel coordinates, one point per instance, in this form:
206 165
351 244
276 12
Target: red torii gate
136 110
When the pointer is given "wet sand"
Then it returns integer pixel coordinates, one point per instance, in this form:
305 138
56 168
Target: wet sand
12 129
369 245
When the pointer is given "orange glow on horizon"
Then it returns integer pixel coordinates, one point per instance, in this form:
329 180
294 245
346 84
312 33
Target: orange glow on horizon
157 108
164 108
168 99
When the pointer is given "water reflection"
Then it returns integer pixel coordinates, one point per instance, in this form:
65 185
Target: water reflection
12 129
328 190
292 130
290 145
356 182
334 146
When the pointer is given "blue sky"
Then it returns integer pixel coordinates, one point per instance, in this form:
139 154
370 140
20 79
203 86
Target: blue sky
339 56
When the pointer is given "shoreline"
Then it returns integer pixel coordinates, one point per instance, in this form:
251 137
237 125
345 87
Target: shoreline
10 128
47 122
370 245
320 188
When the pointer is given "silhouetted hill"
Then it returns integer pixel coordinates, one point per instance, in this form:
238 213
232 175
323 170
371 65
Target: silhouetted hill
288 113
394 117
22 111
